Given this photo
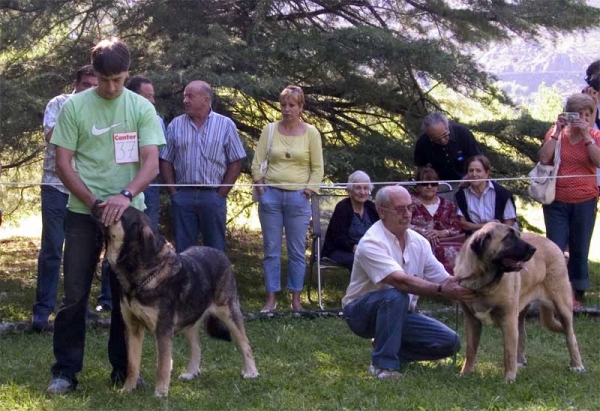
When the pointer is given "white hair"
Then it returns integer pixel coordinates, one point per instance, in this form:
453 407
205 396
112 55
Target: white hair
358 177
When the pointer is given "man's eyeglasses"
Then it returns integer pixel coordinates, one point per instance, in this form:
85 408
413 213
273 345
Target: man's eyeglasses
437 139
428 184
400 210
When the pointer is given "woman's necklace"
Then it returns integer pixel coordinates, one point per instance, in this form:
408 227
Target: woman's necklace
288 146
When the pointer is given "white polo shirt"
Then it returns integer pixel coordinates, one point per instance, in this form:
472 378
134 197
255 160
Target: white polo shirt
378 254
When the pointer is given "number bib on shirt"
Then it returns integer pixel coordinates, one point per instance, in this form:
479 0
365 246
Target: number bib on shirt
126 147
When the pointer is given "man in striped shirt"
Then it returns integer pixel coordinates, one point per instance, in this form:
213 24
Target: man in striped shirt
203 156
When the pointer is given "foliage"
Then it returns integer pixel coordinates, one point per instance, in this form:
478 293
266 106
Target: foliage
368 67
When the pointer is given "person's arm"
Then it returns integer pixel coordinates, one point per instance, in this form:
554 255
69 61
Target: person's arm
468 226
70 178
317 168
420 155
231 174
552 136
450 220
114 206
591 145
414 285
339 225
590 91
167 171
50 115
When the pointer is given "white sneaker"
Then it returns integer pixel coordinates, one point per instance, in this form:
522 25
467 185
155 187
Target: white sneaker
384 374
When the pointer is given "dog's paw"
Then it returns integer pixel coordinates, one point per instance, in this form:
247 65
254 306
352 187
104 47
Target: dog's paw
161 391
188 376
250 374
522 364
581 368
510 380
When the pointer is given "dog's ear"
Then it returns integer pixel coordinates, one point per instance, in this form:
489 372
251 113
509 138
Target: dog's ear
148 241
480 243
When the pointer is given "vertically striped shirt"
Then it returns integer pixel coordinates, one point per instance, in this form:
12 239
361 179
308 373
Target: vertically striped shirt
200 155
49 166
482 209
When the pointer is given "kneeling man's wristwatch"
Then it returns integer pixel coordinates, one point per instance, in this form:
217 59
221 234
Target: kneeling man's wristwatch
127 194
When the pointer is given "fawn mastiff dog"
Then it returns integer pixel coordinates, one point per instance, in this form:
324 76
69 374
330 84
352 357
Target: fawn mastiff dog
508 271
166 293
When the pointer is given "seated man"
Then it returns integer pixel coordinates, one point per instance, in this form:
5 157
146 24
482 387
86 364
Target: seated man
391 264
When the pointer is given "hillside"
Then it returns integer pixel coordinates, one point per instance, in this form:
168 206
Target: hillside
556 61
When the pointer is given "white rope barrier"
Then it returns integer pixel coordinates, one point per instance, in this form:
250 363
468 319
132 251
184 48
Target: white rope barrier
332 185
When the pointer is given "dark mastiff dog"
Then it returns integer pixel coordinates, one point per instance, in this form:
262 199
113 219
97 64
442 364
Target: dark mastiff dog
508 271
166 293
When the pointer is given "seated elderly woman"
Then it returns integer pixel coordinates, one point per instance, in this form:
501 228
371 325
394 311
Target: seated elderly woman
483 200
436 219
351 219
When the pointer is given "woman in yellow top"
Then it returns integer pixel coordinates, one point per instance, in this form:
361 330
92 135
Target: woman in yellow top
294 172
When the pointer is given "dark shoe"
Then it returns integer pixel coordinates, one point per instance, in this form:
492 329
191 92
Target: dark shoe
580 295
59 386
41 326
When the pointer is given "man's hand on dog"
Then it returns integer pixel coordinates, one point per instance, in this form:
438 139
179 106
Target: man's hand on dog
451 289
113 208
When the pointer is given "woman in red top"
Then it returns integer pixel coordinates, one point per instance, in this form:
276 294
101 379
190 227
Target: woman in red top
570 218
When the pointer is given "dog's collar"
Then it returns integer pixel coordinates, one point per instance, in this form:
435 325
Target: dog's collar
149 278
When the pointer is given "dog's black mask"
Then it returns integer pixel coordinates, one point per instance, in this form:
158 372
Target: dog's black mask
514 251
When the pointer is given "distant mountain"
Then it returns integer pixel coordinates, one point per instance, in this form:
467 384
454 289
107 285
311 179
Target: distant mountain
521 67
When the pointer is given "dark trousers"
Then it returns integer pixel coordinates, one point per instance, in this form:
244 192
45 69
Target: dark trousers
83 243
54 208
152 201
573 224
343 258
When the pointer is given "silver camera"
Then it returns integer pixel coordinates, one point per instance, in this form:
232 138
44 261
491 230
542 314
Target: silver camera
571 116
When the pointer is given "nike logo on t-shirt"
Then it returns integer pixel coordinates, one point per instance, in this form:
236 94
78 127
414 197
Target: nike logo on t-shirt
100 131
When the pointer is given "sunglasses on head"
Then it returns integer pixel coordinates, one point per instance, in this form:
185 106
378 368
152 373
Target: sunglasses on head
428 184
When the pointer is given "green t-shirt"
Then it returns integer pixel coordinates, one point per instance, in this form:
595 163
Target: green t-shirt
87 125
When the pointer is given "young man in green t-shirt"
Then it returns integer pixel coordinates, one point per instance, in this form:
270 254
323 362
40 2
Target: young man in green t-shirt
112 136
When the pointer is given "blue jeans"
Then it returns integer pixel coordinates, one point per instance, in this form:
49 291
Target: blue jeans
281 210
198 211
573 224
54 208
152 200
83 243
400 335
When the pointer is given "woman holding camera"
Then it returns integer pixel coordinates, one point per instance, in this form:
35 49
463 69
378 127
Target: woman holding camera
571 216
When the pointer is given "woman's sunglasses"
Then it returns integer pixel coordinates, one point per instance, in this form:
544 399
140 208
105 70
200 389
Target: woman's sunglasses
428 184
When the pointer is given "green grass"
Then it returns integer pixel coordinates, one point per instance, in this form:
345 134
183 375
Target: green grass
305 364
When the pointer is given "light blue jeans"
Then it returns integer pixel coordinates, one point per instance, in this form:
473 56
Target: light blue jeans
281 210
400 335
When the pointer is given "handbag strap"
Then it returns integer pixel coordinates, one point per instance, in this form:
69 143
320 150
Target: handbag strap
557 151
270 140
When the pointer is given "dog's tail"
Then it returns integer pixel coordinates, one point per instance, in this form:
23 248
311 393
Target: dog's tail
548 319
215 328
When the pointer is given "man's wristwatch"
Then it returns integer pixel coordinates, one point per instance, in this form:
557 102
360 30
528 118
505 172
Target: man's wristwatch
439 293
127 194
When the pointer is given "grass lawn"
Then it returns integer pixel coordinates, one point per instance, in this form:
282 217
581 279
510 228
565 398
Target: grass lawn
305 364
